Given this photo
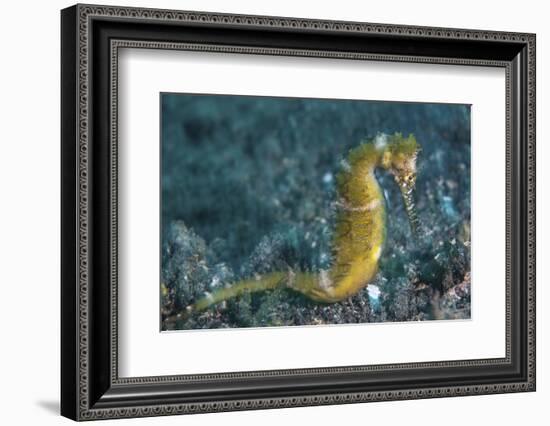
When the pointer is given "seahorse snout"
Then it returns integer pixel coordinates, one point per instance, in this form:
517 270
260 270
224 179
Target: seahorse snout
401 162
407 194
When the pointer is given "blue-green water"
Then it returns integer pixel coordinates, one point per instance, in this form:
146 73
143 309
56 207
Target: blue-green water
248 186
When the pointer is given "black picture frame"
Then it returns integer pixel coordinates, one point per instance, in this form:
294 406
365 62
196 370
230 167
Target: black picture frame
90 386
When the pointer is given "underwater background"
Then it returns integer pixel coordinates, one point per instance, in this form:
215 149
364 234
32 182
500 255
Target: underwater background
248 187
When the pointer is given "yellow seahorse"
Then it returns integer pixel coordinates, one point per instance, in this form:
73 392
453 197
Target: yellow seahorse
358 238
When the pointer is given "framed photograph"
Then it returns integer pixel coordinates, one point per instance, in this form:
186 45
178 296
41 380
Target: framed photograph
263 212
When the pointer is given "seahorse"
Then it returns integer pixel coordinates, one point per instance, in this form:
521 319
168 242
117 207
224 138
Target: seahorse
360 227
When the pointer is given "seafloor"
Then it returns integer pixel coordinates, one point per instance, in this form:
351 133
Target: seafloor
248 187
